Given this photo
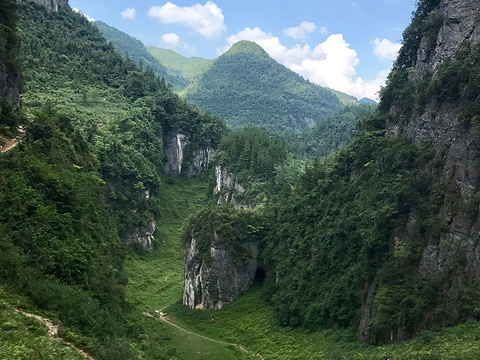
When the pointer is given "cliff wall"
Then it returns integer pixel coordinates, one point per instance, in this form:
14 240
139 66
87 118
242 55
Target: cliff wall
219 277
450 263
180 159
51 5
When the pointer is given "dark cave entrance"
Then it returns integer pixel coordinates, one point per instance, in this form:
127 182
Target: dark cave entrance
259 275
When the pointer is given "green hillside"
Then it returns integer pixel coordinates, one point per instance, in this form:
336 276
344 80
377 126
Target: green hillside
341 237
92 147
136 51
176 64
246 86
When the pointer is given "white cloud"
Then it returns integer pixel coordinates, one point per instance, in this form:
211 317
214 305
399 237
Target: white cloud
386 49
206 19
331 63
85 15
172 41
300 32
128 13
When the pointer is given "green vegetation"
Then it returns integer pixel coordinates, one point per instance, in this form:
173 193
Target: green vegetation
121 111
400 90
35 343
246 86
77 181
330 134
93 147
337 227
135 50
253 156
10 67
248 322
176 64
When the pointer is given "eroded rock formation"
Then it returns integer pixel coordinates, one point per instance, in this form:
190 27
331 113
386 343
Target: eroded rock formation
452 264
175 149
142 235
52 5
217 277
226 187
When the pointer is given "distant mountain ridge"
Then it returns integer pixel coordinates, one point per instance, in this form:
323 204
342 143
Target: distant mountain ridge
179 65
246 86
136 51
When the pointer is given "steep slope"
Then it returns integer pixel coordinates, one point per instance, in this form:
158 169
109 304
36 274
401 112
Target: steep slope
432 96
188 68
86 176
246 86
9 51
385 234
136 51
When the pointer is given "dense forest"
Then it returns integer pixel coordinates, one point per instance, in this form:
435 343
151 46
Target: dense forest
365 217
270 87
76 183
136 51
344 210
265 93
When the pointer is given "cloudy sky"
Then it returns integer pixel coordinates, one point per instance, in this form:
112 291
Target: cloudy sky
343 44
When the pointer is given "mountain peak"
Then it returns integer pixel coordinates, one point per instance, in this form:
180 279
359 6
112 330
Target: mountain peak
245 46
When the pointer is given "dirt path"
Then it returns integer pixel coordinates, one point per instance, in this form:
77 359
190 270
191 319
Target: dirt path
52 331
161 316
9 144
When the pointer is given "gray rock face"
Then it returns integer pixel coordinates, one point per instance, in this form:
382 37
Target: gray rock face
219 279
226 187
201 160
454 262
174 146
9 84
142 235
461 22
52 5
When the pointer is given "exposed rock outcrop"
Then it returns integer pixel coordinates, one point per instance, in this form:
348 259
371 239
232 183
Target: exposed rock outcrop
452 264
9 84
201 160
51 5
226 187
219 277
142 235
175 146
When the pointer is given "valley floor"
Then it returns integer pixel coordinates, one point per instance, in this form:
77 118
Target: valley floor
156 282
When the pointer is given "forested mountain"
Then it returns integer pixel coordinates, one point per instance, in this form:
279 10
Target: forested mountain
87 172
381 237
246 86
188 68
329 135
136 51
384 228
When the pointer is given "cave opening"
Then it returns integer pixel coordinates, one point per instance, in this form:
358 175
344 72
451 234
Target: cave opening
260 275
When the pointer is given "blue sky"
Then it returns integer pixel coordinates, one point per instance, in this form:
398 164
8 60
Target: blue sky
343 44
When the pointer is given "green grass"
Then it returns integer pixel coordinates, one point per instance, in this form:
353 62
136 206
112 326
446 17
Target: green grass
24 338
156 279
249 320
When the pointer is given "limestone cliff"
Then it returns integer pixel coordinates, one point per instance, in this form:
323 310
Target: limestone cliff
51 5
9 50
218 277
179 158
227 187
452 264
142 235
9 80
